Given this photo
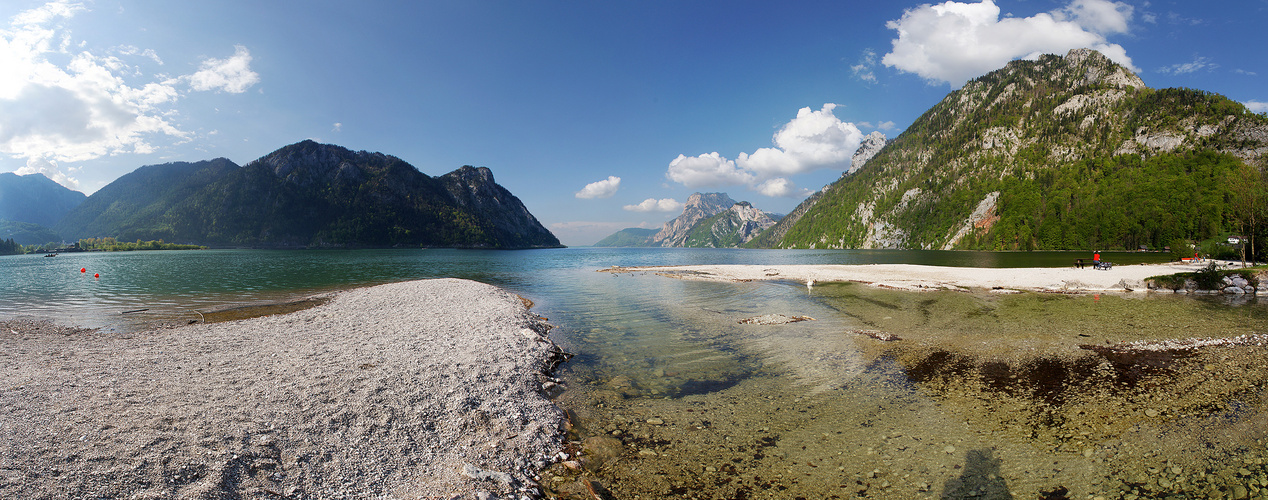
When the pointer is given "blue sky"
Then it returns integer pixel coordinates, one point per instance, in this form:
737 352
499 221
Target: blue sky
598 115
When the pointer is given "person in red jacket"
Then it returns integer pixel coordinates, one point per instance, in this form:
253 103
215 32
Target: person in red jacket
1096 257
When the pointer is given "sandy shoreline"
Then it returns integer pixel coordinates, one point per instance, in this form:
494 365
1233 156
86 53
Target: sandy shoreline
920 277
423 389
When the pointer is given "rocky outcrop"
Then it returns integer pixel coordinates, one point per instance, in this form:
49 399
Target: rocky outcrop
732 228
871 145
699 206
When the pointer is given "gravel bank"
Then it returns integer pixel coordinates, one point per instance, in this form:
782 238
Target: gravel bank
423 389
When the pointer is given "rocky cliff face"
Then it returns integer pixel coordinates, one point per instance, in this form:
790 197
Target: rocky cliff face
872 144
475 190
699 206
980 168
731 228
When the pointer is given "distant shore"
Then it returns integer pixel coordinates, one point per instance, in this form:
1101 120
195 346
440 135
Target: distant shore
922 277
430 388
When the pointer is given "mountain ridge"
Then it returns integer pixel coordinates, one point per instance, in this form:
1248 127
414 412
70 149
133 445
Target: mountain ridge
310 195
1062 152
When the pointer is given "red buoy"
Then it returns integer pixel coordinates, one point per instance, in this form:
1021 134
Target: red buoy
96 275
83 269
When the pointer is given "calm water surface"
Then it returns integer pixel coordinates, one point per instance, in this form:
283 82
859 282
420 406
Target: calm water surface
674 398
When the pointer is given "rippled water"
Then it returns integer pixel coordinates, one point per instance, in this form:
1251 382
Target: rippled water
986 396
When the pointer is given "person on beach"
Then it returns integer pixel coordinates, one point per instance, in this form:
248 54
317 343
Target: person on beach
1096 258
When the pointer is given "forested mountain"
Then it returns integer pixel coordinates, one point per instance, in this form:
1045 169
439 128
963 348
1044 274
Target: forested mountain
309 195
629 237
35 199
1070 152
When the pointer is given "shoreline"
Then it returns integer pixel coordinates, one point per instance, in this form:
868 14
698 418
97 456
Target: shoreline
1128 278
431 388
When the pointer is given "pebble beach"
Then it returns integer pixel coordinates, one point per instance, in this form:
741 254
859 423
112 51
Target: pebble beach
421 389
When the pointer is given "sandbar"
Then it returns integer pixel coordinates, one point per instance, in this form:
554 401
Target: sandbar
421 389
1129 278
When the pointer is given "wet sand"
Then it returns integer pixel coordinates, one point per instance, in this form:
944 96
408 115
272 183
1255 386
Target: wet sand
423 389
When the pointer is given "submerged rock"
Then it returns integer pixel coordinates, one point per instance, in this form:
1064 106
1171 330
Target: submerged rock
774 319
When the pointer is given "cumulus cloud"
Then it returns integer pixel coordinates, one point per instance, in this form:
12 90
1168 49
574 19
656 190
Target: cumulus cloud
811 141
655 205
50 169
61 102
952 42
781 187
1256 106
601 189
232 74
707 170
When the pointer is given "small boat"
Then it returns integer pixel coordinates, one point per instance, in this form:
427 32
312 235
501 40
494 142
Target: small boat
50 255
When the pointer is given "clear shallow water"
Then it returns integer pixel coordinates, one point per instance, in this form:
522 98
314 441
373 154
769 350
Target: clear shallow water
700 405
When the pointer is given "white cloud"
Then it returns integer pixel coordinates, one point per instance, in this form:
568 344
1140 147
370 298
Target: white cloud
61 102
337 127
813 140
601 189
51 170
1099 16
781 187
655 205
1256 106
1245 72
1199 63
131 50
888 125
231 75
953 42
707 170
863 70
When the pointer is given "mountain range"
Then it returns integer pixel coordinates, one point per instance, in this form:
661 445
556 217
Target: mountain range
307 195
708 220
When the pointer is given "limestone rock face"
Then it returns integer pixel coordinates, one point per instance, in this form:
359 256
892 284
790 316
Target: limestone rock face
731 228
699 206
871 145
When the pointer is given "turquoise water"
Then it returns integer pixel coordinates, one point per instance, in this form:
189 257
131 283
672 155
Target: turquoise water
176 284
703 406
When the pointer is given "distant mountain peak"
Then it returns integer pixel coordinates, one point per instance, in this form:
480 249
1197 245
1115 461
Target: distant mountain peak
698 206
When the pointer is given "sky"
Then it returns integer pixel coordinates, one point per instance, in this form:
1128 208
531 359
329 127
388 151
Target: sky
597 115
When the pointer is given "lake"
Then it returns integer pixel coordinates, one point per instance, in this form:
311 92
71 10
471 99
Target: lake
987 396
